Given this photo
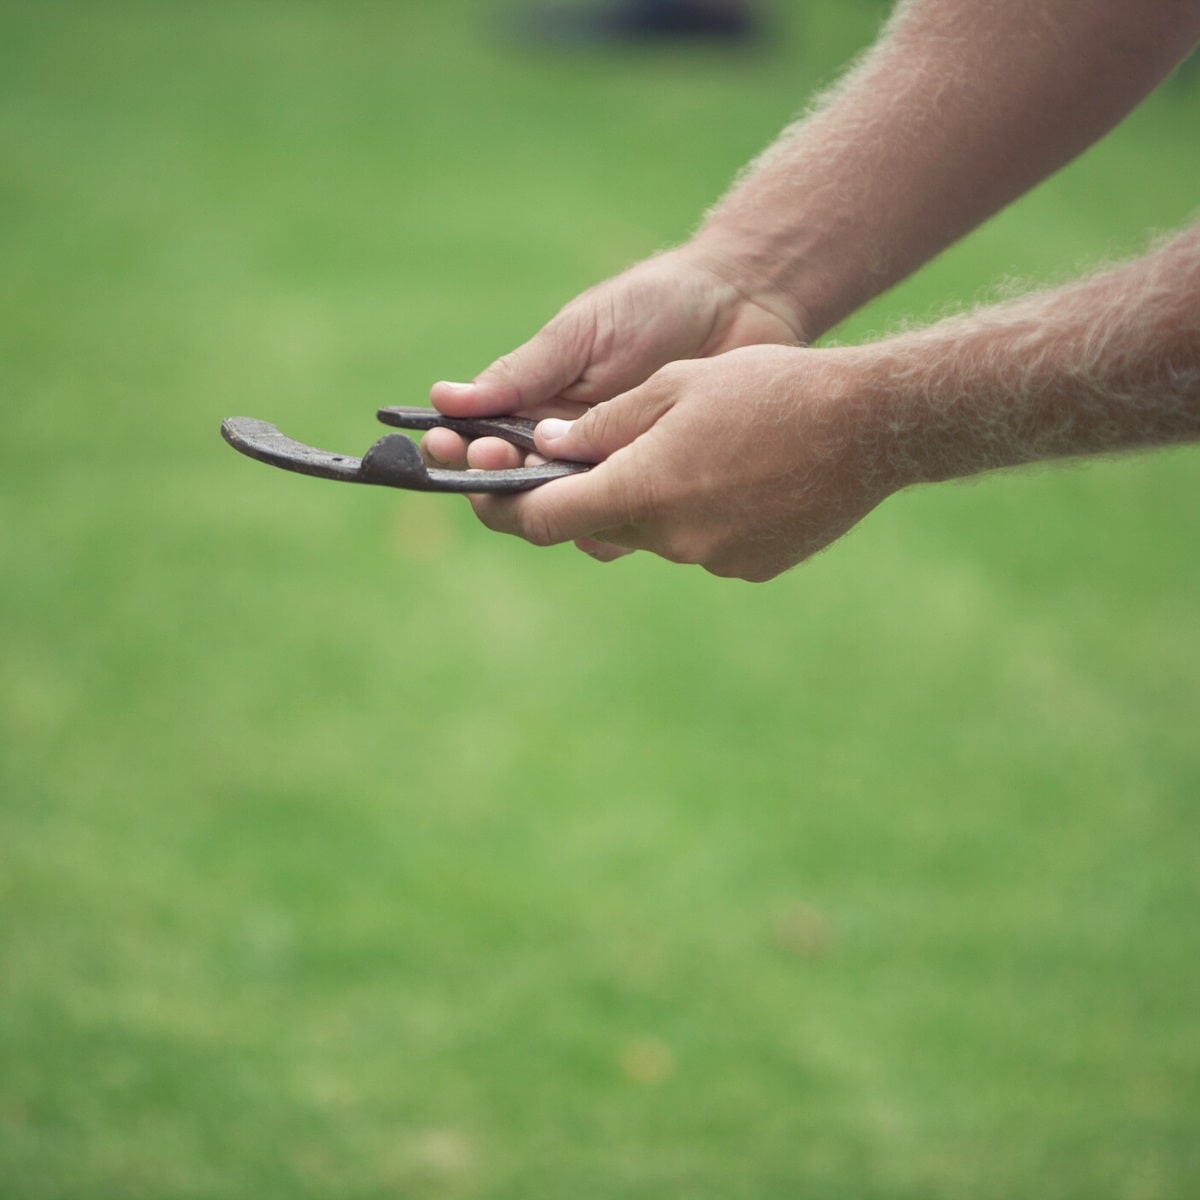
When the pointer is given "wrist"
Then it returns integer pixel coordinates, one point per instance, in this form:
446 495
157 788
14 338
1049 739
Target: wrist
812 274
745 266
884 419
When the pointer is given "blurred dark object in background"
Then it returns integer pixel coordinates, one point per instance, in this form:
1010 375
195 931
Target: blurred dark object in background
615 21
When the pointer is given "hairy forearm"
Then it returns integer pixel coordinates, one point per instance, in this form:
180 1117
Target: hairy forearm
962 106
818 438
1108 364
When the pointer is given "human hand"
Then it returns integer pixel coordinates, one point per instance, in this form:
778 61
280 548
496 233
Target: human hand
745 464
679 305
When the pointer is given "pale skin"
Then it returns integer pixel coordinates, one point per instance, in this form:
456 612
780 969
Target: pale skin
721 441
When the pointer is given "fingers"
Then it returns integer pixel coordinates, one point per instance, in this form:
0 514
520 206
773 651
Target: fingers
535 372
604 552
603 430
495 454
443 448
605 505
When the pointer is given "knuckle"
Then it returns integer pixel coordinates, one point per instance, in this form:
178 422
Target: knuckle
724 568
738 567
491 513
600 423
673 376
748 562
685 547
573 332
507 371
539 528
506 514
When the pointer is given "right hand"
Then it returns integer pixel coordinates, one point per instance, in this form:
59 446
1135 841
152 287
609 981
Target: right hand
745 464
678 305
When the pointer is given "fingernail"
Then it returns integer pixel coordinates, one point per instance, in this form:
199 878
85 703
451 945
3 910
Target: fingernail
552 429
446 385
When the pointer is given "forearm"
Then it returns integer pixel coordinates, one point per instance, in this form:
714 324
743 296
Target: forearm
818 438
961 107
1108 364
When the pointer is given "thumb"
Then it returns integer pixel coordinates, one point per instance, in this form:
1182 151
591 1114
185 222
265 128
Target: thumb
553 359
602 430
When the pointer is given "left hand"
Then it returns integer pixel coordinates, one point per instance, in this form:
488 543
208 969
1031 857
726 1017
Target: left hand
685 303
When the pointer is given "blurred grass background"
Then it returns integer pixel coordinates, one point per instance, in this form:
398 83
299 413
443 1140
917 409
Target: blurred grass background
348 850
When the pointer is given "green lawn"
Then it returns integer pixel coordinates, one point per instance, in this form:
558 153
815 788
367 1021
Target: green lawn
348 850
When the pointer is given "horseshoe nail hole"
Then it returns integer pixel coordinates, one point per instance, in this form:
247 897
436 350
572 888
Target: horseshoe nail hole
337 458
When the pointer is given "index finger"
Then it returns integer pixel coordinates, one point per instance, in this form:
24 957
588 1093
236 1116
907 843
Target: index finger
599 502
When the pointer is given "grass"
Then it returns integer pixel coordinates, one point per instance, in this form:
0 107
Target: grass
347 850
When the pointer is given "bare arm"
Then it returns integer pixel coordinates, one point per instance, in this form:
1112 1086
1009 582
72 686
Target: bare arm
818 438
962 105
1108 364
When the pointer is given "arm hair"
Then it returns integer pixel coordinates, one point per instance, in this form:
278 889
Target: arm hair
1107 364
